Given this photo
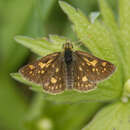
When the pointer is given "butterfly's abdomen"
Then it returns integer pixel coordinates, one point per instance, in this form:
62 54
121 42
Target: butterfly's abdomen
70 77
69 68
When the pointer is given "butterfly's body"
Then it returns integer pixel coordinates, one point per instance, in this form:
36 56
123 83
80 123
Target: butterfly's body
69 76
68 70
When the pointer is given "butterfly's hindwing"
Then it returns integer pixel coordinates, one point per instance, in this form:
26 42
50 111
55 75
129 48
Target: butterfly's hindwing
96 69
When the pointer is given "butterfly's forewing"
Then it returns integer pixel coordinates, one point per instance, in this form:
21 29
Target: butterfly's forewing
96 69
45 72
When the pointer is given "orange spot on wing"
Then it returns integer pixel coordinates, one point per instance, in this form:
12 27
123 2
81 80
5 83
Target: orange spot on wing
42 65
94 62
31 67
104 64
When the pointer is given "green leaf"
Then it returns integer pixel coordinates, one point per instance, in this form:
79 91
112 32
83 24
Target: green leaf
92 35
108 15
126 92
42 46
113 117
39 46
124 7
60 40
57 39
113 28
21 79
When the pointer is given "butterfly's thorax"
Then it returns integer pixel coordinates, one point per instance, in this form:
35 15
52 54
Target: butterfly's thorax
68 58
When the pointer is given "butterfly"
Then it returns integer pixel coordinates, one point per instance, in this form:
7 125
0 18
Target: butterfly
67 70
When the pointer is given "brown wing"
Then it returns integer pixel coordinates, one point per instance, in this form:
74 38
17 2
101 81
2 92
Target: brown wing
81 78
88 70
96 69
45 72
54 80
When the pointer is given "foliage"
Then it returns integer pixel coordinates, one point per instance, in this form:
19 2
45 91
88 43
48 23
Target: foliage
107 37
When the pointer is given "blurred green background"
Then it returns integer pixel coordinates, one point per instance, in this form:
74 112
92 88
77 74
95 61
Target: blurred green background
21 108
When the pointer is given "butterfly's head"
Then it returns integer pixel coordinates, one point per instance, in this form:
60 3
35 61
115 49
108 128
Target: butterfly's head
68 45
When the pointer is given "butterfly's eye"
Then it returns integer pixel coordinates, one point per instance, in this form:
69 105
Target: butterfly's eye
68 45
